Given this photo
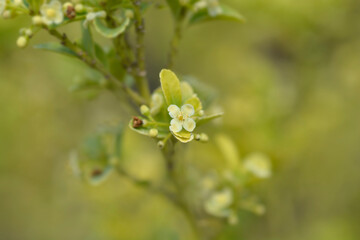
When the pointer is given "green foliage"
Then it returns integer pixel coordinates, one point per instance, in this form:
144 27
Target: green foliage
99 155
170 85
57 48
170 114
110 32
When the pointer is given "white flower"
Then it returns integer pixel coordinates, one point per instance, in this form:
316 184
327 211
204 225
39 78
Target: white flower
2 6
219 202
52 13
258 164
181 118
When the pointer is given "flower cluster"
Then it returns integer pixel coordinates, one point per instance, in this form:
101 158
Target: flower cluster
175 110
54 13
224 193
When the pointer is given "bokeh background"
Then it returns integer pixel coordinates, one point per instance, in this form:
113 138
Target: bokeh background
288 81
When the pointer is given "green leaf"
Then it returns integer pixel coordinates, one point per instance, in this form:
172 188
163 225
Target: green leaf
56 47
98 155
107 32
205 119
195 102
97 178
186 91
100 54
170 86
227 13
183 136
87 42
206 93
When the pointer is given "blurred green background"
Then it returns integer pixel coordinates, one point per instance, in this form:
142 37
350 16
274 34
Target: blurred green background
288 81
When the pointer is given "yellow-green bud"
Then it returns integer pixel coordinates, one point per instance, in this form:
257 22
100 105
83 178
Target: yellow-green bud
204 137
28 32
201 113
79 7
197 137
37 20
161 144
129 13
144 110
21 42
66 5
153 132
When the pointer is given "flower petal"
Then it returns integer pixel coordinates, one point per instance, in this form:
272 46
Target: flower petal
59 18
176 125
188 110
56 5
189 124
174 111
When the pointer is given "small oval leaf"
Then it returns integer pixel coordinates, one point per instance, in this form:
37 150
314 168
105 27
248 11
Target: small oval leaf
107 32
170 85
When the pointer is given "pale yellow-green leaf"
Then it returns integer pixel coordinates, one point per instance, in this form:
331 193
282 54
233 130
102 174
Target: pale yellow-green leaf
186 91
195 102
170 85
205 119
183 136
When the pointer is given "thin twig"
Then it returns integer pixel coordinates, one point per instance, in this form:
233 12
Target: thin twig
140 73
93 63
175 41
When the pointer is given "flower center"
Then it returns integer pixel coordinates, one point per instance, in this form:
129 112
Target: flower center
50 13
181 117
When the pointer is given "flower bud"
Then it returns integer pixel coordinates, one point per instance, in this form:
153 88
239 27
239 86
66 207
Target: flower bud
197 137
201 113
66 5
144 110
153 132
204 137
161 144
28 32
79 7
22 42
37 20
